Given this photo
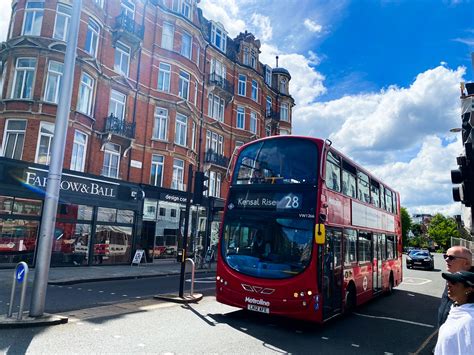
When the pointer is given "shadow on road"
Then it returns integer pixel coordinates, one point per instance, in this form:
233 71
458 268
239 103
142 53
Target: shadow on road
397 324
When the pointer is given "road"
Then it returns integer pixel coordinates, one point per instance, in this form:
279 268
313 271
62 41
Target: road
396 324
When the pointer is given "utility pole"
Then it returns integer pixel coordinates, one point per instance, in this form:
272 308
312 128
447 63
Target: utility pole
48 219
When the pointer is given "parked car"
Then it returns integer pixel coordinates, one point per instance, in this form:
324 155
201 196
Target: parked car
420 258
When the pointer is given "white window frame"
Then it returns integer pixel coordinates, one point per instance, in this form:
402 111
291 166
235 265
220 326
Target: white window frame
268 75
254 95
36 14
284 112
164 75
122 56
268 105
253 122
283 85
193 136
240 121
48 142
24 73
86 92
242 86
127 8
167 36
13 134
160 127
79 151
92 37
156 166
99 3
63 13
183 84
218 68
177 181
181 128
214 142
117 104
54 79
246 56
186 48
219 36
216 107
112 151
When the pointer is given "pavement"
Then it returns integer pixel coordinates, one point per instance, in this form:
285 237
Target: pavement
81 274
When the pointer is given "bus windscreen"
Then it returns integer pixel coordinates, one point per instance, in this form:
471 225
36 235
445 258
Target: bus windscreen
277 161
275 248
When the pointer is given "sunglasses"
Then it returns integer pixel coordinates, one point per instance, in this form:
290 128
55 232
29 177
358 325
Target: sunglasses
452 257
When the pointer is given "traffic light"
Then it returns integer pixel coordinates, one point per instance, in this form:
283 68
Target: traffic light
464 175
199 187
467 120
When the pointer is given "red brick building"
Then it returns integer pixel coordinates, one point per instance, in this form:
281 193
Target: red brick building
157 87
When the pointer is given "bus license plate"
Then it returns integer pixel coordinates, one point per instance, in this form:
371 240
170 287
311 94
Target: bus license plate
252 307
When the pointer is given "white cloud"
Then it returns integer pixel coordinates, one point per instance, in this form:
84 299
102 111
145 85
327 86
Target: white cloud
226 12
5 14
401 134
263 27
312 26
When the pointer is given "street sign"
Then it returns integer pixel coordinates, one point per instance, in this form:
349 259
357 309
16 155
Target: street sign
20 272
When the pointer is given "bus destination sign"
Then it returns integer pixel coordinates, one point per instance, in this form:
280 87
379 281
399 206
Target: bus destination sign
266 201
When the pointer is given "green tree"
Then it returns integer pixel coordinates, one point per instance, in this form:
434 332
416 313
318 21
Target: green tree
441 230
417 229
406 225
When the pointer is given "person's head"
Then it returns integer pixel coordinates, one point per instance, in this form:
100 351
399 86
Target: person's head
458 259
460 286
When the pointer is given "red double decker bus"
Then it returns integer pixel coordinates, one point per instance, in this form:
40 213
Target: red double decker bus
306 232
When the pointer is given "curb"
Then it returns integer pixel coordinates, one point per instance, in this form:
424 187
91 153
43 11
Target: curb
27 322
118 278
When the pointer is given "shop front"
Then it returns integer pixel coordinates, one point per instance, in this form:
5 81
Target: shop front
97 222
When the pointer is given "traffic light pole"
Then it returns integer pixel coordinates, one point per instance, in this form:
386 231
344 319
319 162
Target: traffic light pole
48 220
186 226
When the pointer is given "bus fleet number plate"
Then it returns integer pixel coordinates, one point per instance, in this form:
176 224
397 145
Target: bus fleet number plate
252 307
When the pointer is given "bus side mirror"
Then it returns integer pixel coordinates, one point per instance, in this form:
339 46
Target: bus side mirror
320 233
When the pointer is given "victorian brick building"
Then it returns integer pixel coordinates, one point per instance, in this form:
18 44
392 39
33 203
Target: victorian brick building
157 87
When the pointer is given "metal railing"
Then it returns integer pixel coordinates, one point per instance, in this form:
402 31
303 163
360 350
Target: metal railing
220 82
216 158
120 127
127 24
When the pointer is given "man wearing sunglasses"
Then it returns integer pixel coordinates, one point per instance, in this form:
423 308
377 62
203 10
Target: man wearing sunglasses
457 259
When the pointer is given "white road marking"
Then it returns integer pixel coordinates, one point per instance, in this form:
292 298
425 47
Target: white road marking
204 280
325 338
355 345
415 281
396 320
117 336
141 345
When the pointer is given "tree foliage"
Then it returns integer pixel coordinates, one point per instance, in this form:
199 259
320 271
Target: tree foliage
441 230
406 225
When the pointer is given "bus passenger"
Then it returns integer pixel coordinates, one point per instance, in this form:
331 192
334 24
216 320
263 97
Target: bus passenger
456 334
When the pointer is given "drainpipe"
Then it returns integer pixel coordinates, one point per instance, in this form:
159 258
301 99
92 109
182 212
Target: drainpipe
202 110
137 86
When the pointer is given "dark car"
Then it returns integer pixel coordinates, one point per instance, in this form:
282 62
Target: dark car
420 258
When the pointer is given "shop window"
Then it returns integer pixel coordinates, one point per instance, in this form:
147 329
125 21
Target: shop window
70 244
6 204
106 214
112 245
23 206
19 238
125 216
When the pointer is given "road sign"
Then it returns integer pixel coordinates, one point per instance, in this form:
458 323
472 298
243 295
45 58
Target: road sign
20 272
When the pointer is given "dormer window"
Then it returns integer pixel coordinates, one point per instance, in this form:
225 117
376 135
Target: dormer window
246 56
253 59
182 7
219 36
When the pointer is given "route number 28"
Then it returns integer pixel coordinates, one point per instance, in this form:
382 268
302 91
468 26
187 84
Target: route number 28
291 201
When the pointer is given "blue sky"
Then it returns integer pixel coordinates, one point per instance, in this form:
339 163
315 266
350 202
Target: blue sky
379 78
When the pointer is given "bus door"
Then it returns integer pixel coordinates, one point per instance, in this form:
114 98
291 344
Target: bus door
377 262
332 273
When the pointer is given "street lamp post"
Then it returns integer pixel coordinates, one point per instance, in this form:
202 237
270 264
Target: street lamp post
48 220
